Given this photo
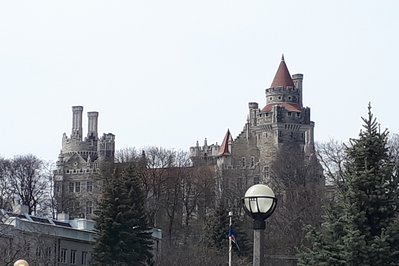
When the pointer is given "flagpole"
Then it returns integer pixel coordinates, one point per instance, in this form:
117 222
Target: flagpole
230 246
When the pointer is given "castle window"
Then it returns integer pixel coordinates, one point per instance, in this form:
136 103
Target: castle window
292 134
67 171
243 161
252 161
58 188
289 113
267 114
89 186
76 206
279 97
266 173
71 187
298 114
77 187
89 207
271 98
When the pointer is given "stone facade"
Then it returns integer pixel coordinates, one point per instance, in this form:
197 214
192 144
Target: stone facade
76 187
246 160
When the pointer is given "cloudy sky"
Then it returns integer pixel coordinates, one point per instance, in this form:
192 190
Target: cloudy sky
169 73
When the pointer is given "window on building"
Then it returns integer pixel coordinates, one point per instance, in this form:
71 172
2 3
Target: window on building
47 252
76 206
63 255
84 257
77 186
57 188
89 186
252 161
289 113
38 252
89 207
243 162
72 259
71 187
266 173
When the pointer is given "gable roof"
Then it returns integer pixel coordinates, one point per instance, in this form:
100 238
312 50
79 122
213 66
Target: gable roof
224 148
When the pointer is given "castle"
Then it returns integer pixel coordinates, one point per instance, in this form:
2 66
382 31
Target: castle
76 187
242 162
283 121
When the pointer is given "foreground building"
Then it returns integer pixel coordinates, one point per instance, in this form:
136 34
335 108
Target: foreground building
45 241
76 186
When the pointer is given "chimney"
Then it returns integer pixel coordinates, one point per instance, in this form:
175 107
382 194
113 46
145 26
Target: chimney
77 122
92 132
64 217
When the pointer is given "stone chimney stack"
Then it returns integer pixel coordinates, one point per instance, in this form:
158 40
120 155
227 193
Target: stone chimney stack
92 132
77 122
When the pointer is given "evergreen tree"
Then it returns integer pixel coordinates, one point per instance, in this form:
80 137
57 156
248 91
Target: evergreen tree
124 235
217 230
361 226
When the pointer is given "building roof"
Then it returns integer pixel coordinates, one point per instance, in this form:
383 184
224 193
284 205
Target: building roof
282 77
290 107
224 148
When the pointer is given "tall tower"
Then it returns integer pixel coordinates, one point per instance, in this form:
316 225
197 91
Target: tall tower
282 121
76 186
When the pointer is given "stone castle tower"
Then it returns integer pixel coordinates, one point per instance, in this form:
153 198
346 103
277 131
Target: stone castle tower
76 187
283 120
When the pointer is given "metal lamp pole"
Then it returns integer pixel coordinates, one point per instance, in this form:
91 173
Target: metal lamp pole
259 203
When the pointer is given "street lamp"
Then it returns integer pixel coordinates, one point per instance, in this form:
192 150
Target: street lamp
259 203
21 263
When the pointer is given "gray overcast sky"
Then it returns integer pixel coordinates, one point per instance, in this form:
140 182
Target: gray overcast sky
168 73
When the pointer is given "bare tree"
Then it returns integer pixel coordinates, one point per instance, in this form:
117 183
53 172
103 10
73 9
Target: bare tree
331 156
27 181
6 195
298 181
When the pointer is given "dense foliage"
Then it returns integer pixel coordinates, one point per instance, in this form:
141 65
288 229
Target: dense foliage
360 225
124 235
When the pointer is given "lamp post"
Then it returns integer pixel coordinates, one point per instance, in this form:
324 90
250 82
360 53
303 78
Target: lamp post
259 203
21 263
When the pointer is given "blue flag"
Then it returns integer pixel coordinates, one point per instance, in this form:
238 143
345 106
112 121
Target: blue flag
233 237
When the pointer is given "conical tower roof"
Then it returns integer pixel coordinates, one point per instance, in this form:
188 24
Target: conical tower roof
282 77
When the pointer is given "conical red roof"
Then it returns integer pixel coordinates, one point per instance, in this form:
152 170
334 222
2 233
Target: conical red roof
224 148
282 77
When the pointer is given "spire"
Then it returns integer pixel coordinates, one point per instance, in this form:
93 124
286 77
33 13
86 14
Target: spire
282 77
225 147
